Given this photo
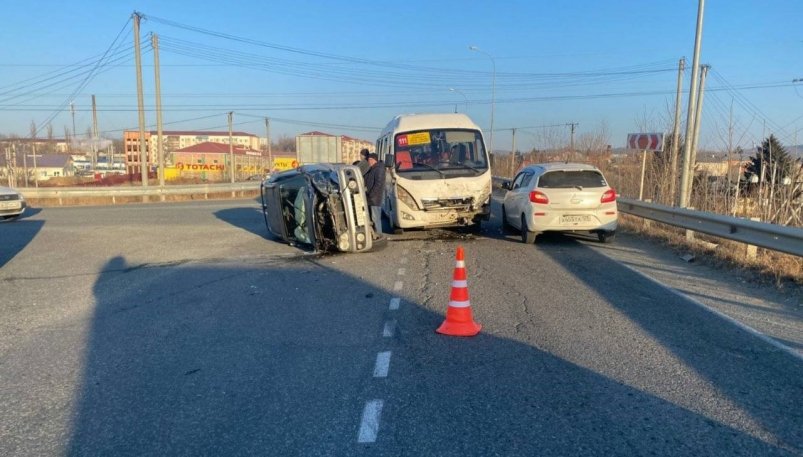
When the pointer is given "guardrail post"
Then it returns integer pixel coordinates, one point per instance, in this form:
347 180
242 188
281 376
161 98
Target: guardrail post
690 233
751 251
647 222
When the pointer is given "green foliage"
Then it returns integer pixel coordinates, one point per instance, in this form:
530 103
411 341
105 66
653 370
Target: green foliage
770 156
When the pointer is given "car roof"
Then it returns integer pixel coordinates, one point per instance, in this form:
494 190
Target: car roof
564 166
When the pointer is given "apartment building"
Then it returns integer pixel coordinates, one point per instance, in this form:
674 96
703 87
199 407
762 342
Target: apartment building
173 140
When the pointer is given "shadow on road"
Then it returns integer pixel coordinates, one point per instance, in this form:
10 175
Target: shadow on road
16 235
213 360
248 218
727 360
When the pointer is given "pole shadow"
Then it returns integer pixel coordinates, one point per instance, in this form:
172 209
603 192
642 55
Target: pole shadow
727 360
255 360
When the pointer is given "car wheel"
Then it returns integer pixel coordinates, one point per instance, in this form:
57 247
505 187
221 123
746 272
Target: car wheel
527 237
506 227
606 237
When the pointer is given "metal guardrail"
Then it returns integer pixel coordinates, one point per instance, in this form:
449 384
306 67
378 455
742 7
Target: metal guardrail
770 236
136 191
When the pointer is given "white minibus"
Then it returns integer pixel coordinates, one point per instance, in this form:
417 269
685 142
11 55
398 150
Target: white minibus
439 172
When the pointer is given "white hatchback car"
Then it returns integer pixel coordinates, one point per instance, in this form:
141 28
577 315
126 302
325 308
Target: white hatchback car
560 197
12 203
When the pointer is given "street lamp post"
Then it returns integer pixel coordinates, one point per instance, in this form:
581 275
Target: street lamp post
452 89
493 92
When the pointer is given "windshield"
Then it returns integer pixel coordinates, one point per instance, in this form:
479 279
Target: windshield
568 179
444 152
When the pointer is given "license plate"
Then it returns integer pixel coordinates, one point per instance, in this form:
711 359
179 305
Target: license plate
574 219
359 208
10 205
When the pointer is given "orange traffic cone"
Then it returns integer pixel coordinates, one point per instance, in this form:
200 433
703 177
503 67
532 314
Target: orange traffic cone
459 321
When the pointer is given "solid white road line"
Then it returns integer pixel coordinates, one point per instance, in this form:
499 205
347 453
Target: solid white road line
394 303
390 327
369 426
382 365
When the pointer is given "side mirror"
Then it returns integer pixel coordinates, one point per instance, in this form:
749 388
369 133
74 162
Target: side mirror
507 185
390 161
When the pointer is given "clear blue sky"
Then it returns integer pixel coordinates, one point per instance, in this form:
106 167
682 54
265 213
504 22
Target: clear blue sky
348 67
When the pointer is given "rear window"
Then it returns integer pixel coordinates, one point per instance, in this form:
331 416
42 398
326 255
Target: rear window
568 179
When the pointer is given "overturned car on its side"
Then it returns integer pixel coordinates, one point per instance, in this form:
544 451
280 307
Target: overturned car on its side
322 206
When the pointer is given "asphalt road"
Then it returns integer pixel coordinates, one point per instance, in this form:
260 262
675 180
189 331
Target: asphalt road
181 329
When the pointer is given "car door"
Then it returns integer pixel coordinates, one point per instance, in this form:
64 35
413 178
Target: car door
514 203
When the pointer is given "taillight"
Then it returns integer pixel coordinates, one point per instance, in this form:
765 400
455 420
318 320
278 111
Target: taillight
608 196
539 197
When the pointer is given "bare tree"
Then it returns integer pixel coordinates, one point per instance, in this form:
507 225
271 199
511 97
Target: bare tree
51 147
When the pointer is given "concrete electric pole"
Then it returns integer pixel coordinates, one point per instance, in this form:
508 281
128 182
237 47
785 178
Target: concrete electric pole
673 167
158 86
143 153
687 166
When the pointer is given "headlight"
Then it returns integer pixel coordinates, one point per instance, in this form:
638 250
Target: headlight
406 198
352 185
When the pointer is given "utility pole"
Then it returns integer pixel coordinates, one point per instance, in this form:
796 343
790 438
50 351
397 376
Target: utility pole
158 87
33 149
513 154
696 134
731 204
25 167
270 152
695 66
143 153
8 165
94 134
72 110
673 170
231 147
572 126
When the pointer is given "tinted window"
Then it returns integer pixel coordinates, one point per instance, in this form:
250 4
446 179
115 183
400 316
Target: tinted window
567 179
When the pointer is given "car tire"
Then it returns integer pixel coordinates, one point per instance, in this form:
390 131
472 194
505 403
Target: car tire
606 236
527 237
506 227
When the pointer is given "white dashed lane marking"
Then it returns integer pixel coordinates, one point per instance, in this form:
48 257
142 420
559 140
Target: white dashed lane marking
390 328
382 365
369 426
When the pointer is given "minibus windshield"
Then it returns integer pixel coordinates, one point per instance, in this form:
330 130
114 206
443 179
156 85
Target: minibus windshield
445 152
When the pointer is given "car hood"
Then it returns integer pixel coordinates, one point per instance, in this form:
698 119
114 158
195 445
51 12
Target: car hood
7 191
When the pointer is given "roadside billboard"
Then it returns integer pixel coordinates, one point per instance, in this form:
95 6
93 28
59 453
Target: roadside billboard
284 163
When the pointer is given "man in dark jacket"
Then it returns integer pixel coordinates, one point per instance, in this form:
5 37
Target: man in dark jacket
363 162
375 190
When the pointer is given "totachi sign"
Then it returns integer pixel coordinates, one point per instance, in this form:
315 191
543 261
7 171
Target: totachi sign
646 141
